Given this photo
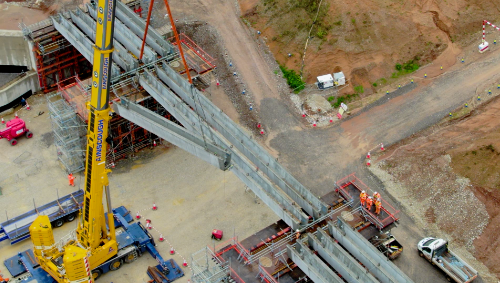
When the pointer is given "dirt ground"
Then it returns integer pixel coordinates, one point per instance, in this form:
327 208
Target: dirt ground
365 39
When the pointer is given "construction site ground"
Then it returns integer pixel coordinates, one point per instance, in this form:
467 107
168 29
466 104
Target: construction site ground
194 198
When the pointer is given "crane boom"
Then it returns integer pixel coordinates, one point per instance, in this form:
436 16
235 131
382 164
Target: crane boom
93 244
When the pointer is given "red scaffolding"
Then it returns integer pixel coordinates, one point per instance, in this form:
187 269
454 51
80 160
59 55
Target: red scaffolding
388 213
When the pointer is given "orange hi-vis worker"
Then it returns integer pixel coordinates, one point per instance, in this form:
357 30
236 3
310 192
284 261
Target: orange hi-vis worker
378 205
297 235
362 198
376 195
71 179
369 202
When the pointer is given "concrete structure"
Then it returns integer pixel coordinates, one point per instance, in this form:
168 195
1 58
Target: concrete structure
17 87
15 50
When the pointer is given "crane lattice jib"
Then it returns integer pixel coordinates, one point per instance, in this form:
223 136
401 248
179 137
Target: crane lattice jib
485 22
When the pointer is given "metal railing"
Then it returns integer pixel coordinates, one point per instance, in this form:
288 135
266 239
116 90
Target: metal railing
264 275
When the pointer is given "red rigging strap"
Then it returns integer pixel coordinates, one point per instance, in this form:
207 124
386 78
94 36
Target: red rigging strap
147 27
174 29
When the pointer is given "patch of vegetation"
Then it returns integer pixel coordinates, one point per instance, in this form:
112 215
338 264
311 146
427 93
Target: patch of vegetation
359 89
321 33
343 99
293 79
489 147
353 21
375 84
339 23
405 68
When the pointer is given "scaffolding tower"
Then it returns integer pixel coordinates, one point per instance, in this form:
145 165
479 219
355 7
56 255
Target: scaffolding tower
69 133
208 268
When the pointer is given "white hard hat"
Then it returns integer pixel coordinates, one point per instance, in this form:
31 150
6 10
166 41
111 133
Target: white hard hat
298 230
375 193
369 197
362 191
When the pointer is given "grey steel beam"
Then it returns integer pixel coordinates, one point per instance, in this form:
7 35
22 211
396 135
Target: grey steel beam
175 106
173 133
380 266
339 259
127 38
266 198
88 26
171 102
311 265
251 149
138 26
79 40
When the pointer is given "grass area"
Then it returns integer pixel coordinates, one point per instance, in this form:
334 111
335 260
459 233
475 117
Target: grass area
405 68
381 81
336 101
293 79
480 165
359 89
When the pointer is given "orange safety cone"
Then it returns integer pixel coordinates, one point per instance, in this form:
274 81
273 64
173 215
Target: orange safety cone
382 147
137 216
16 115
368 155
3 122
369 162
303 115
314 124
259 125
218 84
261 131
161 238
172 251
148 226
27 106
154 206
331 120
112 165
154 143
185 264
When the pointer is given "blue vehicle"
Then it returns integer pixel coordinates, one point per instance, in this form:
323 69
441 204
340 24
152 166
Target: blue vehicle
62 210
133 241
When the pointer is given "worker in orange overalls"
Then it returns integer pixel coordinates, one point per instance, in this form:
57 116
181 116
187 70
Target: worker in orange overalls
362 198
378 205
71 179
376 196
297 234
369 202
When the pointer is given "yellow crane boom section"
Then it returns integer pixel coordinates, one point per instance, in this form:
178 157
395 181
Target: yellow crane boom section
93 244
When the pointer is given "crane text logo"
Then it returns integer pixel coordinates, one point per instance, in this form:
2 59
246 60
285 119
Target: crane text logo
110 10
105 73
100 128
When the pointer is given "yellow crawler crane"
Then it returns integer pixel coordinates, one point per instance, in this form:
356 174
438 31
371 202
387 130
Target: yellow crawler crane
72 260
